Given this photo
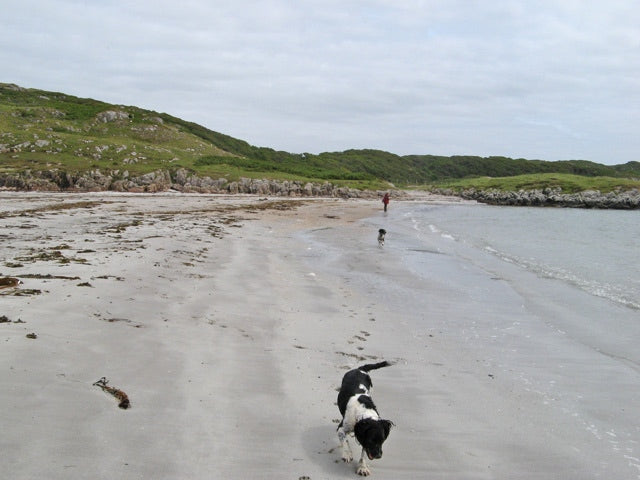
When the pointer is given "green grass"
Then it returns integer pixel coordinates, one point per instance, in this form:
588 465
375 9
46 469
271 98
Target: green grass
567 182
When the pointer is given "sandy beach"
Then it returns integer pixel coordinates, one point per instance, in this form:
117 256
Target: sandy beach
229 327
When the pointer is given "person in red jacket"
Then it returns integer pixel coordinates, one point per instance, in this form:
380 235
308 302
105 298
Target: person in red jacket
385 200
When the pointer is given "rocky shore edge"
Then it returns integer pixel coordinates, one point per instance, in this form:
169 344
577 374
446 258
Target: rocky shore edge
181 180
554 197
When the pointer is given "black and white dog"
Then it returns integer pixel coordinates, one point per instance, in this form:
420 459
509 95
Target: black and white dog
381 233
360 416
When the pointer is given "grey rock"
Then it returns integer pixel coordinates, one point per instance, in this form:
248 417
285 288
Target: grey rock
112 116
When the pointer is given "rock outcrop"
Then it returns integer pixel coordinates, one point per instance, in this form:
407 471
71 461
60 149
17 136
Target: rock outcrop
163 180
554 197
112 116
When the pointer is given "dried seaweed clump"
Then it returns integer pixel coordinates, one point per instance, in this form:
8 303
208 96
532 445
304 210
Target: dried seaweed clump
119 394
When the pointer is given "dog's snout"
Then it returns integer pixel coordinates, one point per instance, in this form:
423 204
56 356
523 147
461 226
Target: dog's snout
374 455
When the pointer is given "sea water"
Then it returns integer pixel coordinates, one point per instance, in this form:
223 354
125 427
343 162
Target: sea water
576 270
597 251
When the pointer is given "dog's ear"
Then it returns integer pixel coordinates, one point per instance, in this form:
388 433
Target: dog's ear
386 425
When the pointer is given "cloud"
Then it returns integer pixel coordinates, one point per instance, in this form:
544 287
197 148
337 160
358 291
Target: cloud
541 79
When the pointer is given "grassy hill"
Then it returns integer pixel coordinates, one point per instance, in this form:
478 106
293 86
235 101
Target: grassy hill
42 130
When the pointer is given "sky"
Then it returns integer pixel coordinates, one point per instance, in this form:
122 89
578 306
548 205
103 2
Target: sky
535 79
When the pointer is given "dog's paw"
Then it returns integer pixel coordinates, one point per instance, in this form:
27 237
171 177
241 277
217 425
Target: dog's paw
347 457
363 471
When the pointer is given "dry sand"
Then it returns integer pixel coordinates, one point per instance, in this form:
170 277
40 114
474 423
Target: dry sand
205 312
196 308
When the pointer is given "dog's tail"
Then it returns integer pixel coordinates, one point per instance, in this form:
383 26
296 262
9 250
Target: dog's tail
375 366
